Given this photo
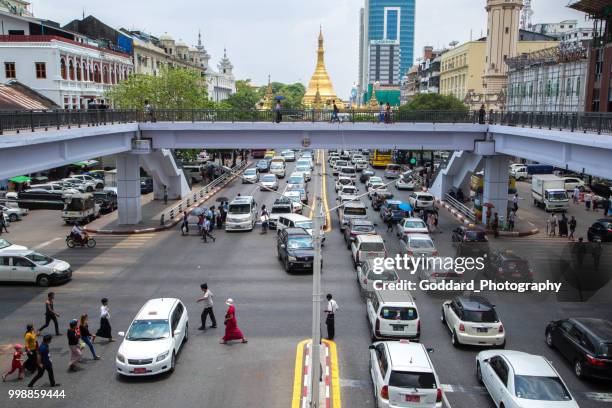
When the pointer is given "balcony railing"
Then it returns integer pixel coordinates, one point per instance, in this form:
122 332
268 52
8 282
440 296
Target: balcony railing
44 120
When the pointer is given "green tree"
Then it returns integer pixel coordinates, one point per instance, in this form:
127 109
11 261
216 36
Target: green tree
174 88
245 98
293 93
434 102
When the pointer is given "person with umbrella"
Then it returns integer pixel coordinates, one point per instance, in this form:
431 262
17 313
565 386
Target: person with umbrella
406 208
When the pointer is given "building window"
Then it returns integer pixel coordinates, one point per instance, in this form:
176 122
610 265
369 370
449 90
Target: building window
63 69
41 70
507 30
78 71
71 70
9 70
578 86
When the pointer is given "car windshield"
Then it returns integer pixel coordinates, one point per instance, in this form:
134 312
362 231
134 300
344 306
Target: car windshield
239 209
398 313
475 236
341 163
348 170
100 195
307 224
516 265
277 165
39 259
414 224
540 388
424 197
4 244
404 379
363 228
354 211
393 207
375 179
301 242
250 172
372 246
349 190
557 196
302 168
281 209
393 167
421 243
269 178
144 330
262 163
295 180
480 316
385 275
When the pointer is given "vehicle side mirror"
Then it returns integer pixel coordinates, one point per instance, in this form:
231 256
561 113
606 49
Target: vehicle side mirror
121 333
376 224
177 332
430 350
371 347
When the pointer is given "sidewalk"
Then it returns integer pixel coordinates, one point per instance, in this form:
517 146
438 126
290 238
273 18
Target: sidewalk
152 211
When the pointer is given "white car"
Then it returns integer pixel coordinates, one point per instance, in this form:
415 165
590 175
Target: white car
305 162
13 214
269 182
296 178
417 245
361 165
289 155
9 246
296 198
356 157
343 181
250 176
278 169
99 184
89 186
411 226
404 376
305 170
572 182
421 200
405 182
367 275
348 190
473 320
367 247
153 339
24 265
374 180
515 379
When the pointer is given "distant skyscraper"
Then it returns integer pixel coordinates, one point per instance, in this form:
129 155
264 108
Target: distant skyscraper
385 24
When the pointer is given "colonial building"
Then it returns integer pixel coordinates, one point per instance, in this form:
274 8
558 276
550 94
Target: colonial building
429 70
221 83
69 68
320 82
410 85
549 80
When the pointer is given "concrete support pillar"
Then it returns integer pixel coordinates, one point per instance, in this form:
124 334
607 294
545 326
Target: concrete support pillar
128 189
495 189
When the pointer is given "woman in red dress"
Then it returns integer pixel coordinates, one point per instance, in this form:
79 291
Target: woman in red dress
232 332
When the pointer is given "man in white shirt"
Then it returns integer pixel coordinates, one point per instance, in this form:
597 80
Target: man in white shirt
330 312
207 298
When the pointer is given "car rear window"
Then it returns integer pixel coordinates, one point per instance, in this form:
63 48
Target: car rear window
372 246
348 170
386 275
475 236
425 197
414 224
421 243
405 379
398 313
480 316
540 388
516 265
281 209
363 228
354 211
393 167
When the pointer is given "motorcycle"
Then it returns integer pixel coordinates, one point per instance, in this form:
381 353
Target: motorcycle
71 242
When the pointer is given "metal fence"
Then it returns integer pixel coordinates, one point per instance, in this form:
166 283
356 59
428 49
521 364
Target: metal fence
17 121
459 206
195 196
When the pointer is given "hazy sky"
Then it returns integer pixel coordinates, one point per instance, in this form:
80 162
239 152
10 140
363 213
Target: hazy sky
279 37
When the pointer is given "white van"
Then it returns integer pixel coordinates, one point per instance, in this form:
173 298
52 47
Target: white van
241 214
297 221
393 314
278 168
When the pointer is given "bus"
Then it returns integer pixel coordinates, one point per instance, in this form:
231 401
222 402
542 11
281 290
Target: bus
258 153
380 158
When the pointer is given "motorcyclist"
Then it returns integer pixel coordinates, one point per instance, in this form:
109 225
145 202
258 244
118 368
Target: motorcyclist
78 233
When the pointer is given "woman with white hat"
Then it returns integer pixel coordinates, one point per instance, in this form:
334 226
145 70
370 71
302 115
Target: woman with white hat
232 332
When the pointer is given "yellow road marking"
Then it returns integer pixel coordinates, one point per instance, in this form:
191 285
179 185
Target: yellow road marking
297 376
328 223
335 374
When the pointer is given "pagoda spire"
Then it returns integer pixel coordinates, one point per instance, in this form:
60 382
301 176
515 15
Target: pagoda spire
320 82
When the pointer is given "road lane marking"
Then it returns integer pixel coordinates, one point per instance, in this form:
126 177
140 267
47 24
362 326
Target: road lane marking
297 374
46 243
335 373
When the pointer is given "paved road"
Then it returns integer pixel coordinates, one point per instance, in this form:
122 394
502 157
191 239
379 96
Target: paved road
273 310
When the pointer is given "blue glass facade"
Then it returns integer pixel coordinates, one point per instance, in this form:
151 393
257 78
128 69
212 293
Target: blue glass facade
388 11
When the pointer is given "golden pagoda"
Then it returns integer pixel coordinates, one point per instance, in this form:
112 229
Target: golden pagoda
320 82
268 100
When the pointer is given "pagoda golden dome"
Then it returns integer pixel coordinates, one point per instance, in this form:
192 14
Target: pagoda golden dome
320 83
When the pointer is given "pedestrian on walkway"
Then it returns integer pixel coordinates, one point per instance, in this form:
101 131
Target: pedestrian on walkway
511 217
552 225
481 115
576 195
265 218
105 331
278 117
388 113
330 316
212 219
593 201
50 313
207 298
431 222
220 216
200 223
16 363
572 228
563 225
495 225
185 224
587 201
515 203
206 231
44 363
232 332
3 223
31 348
606 206
73 344
165 195
335 111
86 336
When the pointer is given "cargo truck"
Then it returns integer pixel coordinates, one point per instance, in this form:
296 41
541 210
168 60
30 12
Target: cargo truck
548 191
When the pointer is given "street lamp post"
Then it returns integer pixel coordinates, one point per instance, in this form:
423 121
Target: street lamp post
316 305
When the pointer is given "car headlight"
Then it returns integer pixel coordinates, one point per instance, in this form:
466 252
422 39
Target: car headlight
291 258
162 356
120 358
55 270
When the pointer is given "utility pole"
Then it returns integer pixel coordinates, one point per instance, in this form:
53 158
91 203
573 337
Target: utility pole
316 305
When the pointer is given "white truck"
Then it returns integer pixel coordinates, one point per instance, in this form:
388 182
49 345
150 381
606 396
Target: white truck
80 208
548 191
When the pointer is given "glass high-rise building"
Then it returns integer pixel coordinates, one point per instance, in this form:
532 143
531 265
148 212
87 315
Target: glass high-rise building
389 23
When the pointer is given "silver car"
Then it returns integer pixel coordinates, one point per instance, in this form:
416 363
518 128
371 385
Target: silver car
417 245
367 275
269 182
250 176
13 214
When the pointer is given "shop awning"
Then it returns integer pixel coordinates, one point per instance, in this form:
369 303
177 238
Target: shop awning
20 179
86 163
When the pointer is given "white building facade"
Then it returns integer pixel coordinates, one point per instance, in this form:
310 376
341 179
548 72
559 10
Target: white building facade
221 83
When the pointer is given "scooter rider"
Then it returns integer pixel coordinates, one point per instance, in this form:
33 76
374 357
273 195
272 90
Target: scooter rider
78 233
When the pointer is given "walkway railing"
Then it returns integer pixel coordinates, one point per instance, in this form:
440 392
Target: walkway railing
459 206
16 121
195 196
